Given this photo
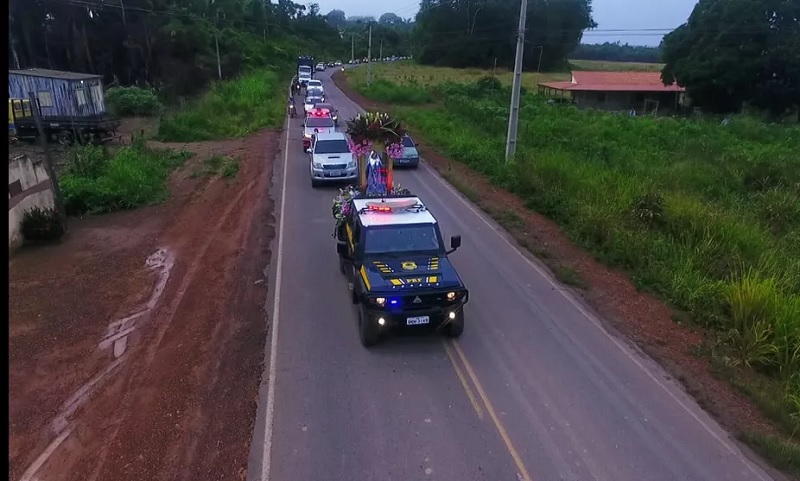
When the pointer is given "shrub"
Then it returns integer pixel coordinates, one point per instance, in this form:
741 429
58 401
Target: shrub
132 101
131 177
231 109
42 224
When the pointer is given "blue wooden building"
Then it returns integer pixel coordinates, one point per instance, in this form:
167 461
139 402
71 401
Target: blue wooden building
60 94
72 105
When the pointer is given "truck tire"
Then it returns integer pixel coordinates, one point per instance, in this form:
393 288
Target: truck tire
455 328
367 331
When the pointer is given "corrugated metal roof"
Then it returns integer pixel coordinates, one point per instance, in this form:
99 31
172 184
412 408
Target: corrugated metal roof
615 82
57 74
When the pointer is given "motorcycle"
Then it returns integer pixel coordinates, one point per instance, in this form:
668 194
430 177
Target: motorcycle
292 111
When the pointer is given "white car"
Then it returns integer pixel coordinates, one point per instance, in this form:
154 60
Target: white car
315 84
331 159
304 78
320 67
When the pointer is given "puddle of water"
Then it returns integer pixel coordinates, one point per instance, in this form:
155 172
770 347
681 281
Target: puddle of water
161 262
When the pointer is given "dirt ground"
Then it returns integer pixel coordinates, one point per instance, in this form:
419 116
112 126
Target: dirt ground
178 286
642 318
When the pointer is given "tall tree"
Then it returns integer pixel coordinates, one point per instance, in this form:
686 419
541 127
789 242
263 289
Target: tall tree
732 52
478 33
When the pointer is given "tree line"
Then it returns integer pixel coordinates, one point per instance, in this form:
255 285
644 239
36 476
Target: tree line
616 52
170 45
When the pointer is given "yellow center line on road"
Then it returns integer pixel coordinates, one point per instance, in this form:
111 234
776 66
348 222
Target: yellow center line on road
472 399
523 471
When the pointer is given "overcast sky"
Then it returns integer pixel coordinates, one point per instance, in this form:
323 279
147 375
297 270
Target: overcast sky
609 14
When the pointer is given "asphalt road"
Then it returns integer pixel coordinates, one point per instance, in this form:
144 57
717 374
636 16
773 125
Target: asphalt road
535 389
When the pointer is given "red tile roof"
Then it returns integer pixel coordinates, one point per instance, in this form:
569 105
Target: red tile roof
615 82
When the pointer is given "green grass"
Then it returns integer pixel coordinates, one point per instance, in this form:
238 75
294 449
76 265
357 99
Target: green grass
98 181
705 216
218 165
602 65
231 109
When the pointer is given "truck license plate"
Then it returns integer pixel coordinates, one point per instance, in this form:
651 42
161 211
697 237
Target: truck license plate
335 173
415 321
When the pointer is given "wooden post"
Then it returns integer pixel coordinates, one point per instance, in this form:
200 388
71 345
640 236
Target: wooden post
389 172
48 164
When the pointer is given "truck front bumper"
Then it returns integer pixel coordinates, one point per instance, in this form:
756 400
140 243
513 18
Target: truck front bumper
414 320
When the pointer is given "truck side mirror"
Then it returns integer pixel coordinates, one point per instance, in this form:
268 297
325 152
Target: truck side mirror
455 242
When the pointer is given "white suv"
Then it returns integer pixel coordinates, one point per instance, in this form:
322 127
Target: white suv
331 159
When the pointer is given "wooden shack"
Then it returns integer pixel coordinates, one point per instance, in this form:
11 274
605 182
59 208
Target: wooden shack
72 105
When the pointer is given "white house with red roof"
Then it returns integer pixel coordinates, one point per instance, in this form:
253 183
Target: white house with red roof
623 91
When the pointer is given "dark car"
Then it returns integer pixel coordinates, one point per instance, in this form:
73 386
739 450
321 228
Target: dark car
393 255
410 157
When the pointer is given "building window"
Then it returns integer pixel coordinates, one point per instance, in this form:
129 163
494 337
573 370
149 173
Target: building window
80 96
45 98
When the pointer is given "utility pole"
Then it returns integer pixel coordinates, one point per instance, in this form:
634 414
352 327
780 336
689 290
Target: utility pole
48 160
513 115
380 55
352 48
216 42
369 57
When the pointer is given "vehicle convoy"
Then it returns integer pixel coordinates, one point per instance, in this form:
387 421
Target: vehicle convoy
393 255
331 159
316 123
410 157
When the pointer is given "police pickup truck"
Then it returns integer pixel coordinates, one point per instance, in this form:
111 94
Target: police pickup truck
393 255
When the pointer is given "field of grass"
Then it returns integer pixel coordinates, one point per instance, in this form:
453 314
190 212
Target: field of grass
705 216
97 181
599 65
231 109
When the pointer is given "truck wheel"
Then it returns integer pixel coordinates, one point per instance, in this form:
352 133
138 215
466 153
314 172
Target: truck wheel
367 331
455 328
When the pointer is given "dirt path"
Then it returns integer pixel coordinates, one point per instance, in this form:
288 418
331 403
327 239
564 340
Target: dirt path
136 345
642 318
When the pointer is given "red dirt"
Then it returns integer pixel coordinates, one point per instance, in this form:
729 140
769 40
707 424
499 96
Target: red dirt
642 318
181 405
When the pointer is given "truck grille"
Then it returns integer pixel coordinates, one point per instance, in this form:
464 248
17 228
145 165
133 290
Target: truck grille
425 301
334 166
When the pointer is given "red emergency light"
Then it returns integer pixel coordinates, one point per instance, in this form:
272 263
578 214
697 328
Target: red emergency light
319 113
389 206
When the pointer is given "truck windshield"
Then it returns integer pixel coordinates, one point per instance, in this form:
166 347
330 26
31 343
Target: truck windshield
401 239
331 147
304 69
407 142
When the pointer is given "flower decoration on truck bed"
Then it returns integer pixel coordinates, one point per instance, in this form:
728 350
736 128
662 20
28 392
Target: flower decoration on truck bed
342 205
375 133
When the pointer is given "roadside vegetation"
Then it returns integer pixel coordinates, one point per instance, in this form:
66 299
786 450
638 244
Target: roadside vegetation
231 109
97 180
705 216
132 101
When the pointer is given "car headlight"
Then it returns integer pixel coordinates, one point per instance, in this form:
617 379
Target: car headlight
379 301
351 164
451 296
317 165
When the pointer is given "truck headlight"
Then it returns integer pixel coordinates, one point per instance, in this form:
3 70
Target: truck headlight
317 165
379 301
351 164
451 296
